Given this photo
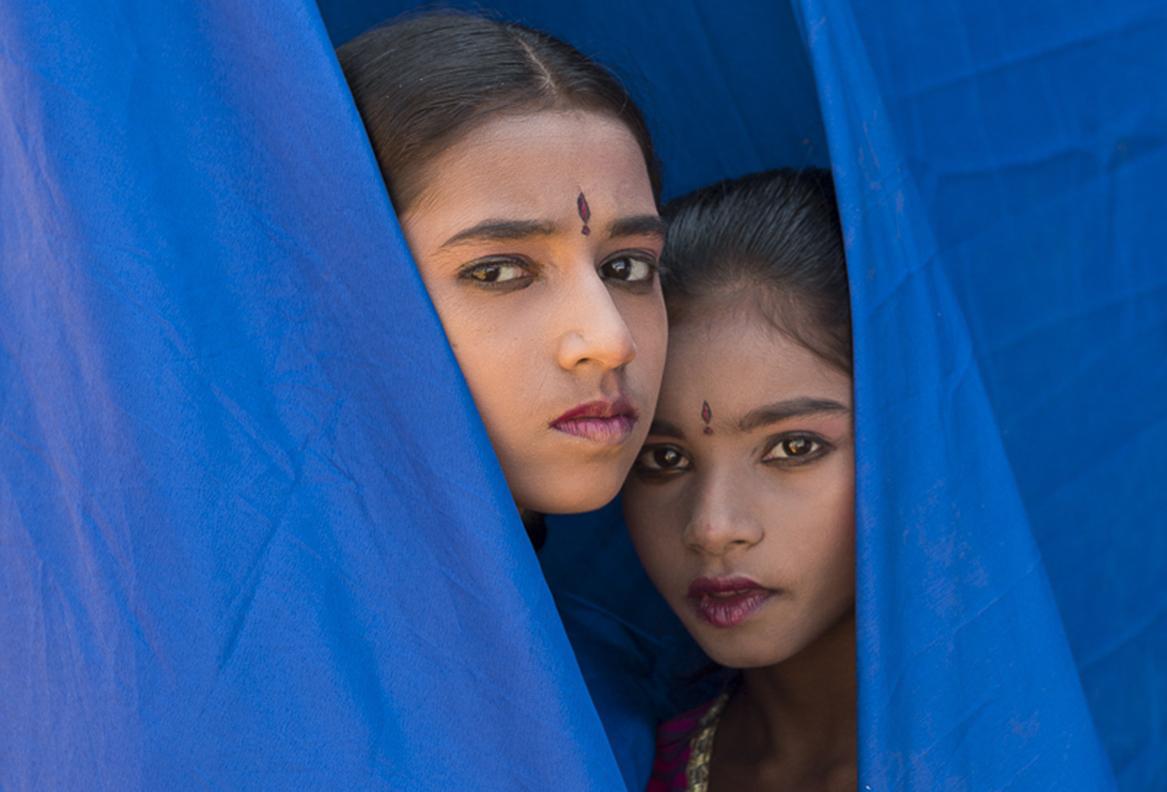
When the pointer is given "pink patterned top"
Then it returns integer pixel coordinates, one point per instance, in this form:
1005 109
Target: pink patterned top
676 768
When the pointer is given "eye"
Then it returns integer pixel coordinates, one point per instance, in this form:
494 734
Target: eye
795 449
629 268
497 272
657 461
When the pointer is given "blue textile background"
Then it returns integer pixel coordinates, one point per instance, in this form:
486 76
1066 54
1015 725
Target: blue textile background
252 533
1000 171
987 196
250 529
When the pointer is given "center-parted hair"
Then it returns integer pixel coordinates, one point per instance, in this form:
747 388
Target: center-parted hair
424 81
773 238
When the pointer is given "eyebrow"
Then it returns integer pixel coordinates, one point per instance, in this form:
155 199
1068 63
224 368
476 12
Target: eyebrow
791 408
638 225
494 230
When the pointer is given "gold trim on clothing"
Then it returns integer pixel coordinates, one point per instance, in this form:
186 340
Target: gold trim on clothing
701 746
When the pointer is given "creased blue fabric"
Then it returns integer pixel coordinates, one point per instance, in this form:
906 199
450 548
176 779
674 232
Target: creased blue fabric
997 166
252 535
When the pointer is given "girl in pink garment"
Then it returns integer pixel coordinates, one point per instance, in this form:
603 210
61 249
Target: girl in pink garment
741 503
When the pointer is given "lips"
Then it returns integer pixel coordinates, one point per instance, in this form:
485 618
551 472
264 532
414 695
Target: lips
603 421
728 601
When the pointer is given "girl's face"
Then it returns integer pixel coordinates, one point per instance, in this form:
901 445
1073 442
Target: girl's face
538 238
741 502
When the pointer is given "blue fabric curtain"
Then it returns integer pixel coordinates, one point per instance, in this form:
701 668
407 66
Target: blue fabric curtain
251 533
998 171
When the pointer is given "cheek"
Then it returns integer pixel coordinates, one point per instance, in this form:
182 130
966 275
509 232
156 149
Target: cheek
652 526
494 345
480 347
828 551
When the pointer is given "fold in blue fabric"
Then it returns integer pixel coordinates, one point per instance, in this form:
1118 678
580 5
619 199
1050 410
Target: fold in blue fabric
252 534
996 168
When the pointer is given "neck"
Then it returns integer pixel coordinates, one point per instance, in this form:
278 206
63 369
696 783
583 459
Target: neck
804 706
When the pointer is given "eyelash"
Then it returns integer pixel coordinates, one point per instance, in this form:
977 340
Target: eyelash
468 272
649 260
659 473
820 448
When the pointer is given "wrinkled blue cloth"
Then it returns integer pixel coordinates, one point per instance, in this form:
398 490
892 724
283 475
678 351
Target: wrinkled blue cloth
251 533
1000 170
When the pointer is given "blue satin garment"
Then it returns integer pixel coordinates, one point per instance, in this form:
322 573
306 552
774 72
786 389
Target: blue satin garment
251 532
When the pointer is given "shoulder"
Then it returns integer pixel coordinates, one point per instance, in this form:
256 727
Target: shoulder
673 739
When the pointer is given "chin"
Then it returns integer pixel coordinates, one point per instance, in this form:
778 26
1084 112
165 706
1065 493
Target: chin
568 494
746 659
742 651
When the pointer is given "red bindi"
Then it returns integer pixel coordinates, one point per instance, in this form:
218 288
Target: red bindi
585 212
706 416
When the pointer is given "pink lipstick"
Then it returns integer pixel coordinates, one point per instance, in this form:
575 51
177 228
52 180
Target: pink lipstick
604 422
728 601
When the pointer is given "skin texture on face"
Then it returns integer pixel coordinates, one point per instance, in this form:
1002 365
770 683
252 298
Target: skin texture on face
767 495
556 318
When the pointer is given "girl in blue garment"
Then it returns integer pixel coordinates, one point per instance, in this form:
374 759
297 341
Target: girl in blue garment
524 179
741 503
525 182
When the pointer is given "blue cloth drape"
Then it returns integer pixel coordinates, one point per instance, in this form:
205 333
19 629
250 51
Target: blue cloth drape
987 196
999 171
251 530
251 533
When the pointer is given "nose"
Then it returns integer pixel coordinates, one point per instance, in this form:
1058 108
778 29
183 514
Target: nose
593 329
721 521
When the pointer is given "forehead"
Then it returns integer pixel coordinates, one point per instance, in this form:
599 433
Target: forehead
535 165
736 360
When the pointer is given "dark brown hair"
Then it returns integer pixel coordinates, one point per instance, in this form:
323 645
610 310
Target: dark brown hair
424 81
776 238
